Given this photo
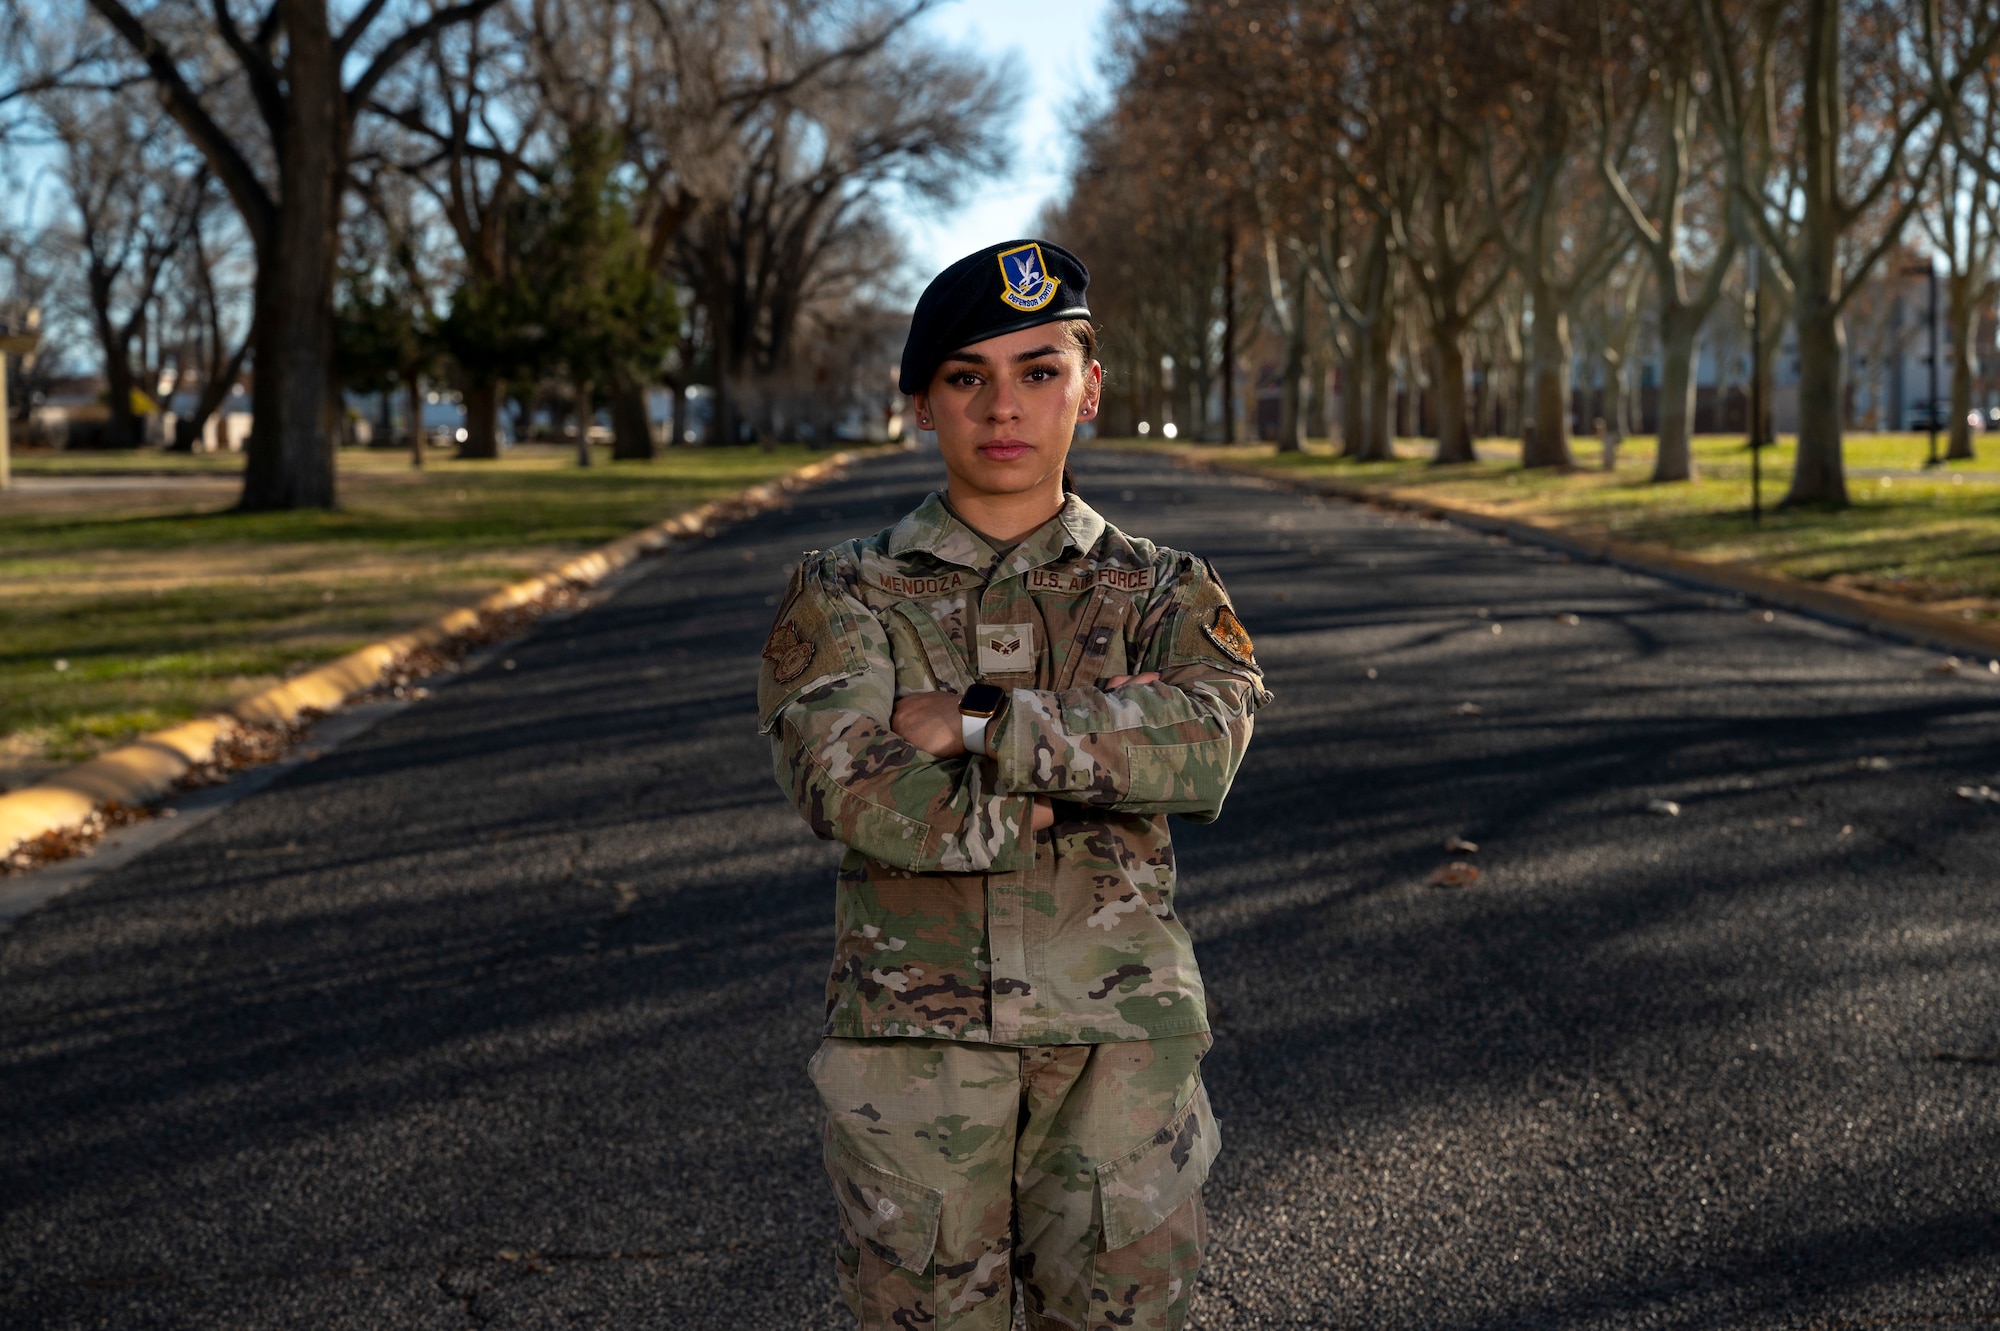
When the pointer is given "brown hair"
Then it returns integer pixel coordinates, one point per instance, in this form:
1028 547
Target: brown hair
1082 335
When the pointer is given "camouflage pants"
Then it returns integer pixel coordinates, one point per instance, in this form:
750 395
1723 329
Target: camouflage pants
960 1167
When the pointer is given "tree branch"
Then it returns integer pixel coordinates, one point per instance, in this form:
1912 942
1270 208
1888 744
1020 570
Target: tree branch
231 166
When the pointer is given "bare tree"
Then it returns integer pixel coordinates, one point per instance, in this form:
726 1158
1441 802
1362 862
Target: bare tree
1665 71
270 99
1860 138
135 208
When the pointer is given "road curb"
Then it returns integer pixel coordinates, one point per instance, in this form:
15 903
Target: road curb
1853 609
147 768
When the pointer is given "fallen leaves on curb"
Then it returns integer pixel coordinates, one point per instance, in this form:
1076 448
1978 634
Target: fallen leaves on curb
71 841
1978 794
1872 764
1458 845
1456 874
1665 808
1469 709
248 745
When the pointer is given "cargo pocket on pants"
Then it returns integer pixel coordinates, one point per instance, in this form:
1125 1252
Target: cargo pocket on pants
893 1218
1141 1188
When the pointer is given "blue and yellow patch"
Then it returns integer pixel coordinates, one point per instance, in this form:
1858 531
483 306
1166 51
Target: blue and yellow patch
1024 278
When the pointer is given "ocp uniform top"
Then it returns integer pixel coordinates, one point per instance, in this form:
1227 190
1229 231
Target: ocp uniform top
953 918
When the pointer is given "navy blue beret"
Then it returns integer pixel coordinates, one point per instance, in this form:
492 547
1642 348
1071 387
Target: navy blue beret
1000 289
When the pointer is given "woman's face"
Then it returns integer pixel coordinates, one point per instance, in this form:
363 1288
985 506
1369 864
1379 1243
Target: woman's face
1005 409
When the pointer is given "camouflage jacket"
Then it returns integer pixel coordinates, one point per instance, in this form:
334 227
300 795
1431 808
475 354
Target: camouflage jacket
953 918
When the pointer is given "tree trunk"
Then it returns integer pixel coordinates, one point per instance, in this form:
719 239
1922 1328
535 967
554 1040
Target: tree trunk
482 422
1550 445
679 436
583 415
1614 398
631 422
1454 438
1674 460
1964 326
1378 418
1229 340
413 402
1353 418
118 386
290 463
1818 476
1291 413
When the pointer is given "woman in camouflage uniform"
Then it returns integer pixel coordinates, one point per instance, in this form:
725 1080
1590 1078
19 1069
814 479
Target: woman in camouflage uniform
994 705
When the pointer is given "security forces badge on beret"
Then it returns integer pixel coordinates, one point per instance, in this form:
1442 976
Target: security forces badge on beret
1025 281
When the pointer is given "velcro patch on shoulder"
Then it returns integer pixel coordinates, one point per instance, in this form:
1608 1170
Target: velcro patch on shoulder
1209 628
802 645
1228 633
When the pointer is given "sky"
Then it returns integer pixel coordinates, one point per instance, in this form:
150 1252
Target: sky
1055 44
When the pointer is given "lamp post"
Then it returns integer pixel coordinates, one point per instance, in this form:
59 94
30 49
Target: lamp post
15 341
1756 389
1929 271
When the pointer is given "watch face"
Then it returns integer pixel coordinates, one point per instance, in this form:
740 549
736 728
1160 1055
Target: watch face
982 700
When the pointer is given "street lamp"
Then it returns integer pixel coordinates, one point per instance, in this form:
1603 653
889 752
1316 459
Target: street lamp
16 339
1756 388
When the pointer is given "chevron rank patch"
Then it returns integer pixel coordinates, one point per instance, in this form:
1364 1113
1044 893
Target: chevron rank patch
1006 649
1227 632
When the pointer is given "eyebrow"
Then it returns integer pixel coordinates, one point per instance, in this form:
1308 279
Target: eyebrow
974 358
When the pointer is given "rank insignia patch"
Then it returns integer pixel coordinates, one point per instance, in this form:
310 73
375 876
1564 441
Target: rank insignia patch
1006 649
1025 281
1227 632
788 653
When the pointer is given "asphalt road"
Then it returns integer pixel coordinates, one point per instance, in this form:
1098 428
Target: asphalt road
498 1014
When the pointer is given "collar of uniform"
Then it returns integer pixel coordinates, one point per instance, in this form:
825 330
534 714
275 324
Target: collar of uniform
1077 525
932 528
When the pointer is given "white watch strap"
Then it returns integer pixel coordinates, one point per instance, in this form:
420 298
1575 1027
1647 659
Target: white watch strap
973 730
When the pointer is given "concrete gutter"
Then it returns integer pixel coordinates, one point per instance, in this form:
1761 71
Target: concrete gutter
1853 609
147 768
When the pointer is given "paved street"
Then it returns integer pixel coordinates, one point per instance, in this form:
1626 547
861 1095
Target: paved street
498 1014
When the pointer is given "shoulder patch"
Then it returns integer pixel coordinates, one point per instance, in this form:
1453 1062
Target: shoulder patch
788 653
803 645
1209 628
1227 632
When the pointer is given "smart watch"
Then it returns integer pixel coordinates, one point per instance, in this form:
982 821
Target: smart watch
977 707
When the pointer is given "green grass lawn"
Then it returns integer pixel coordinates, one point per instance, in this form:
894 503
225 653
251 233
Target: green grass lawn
125 610
1932 537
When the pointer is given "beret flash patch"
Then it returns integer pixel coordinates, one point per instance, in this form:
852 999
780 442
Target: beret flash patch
1025 281
789 654
1227 632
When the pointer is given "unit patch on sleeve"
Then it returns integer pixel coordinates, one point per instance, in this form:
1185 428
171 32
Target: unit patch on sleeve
1227 632
788 653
